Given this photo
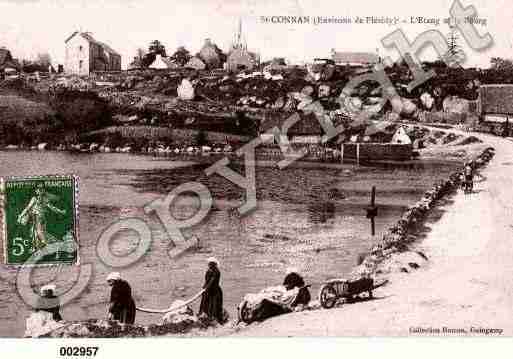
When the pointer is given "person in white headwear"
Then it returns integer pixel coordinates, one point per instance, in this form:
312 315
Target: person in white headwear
212 298
49 302
122 305
294 280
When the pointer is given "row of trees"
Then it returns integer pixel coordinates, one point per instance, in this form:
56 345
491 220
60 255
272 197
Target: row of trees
42 62
146 58
181 56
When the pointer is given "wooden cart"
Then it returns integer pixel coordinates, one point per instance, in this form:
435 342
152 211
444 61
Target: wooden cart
333 290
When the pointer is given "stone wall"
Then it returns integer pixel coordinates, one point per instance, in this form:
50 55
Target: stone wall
394 242
156 133
379 151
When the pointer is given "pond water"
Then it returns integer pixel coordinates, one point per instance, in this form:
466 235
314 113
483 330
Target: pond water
290 227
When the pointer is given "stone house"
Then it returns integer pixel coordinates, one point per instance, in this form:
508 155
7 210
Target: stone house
495 108
195 63
85 54
211 55
495 103
401 137
241 59
6 60
354 59
163 63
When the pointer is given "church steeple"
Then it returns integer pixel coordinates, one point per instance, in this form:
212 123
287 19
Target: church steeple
239 33
239 41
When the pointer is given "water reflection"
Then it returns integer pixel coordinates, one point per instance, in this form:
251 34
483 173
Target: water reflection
321 212
308 217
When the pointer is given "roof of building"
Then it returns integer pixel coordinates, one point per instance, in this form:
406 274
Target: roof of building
209 52
355 57
243 55
496 99
161 62
6 60
195 63
89 37
5 55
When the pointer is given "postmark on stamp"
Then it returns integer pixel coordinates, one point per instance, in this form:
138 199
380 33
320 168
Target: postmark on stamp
38 212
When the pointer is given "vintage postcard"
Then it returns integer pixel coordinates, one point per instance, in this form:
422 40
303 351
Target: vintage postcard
37 212
286 168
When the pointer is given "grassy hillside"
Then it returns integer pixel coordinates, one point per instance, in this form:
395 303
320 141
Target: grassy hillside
28 118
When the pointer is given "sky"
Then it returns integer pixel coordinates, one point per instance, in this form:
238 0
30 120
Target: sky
29 27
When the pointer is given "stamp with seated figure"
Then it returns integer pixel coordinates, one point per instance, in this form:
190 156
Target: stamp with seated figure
39 220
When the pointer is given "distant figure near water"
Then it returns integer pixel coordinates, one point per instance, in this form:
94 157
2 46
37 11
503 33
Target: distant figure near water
122 305
212 299
468 172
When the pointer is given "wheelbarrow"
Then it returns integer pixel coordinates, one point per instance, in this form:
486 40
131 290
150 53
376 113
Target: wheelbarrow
334 289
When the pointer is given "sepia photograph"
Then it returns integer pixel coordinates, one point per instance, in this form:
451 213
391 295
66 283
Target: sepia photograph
240 169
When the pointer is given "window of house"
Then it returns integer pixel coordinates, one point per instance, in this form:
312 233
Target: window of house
80 48
80 64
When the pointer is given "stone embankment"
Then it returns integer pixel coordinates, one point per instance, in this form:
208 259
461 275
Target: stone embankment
392 253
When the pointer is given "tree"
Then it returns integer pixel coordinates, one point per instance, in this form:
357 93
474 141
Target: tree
138 61
157 48
140 53
498 63
201 138
455 55
44 60
181 56
211 55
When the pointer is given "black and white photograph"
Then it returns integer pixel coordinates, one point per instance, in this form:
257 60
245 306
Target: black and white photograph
233 169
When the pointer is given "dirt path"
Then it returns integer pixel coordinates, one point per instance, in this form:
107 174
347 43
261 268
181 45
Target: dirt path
468 282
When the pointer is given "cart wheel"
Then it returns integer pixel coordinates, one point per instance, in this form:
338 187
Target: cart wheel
328 296
245 313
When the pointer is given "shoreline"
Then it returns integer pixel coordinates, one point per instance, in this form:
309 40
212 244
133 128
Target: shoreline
446 290
399 236
216 331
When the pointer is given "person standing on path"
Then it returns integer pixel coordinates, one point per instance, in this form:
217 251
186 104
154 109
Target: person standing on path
468 173
212 297
122 305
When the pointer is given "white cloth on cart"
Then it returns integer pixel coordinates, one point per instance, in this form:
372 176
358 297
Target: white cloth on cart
276 294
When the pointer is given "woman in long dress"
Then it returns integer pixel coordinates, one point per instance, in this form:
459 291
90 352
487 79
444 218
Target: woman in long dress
122 305
212 298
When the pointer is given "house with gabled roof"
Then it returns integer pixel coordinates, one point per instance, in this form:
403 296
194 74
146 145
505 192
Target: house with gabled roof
6 60
355 59
85 54
163 63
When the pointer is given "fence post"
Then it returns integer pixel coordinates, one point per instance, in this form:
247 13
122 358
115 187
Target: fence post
358 154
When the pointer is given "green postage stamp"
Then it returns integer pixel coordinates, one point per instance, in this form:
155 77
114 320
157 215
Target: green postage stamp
39 216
